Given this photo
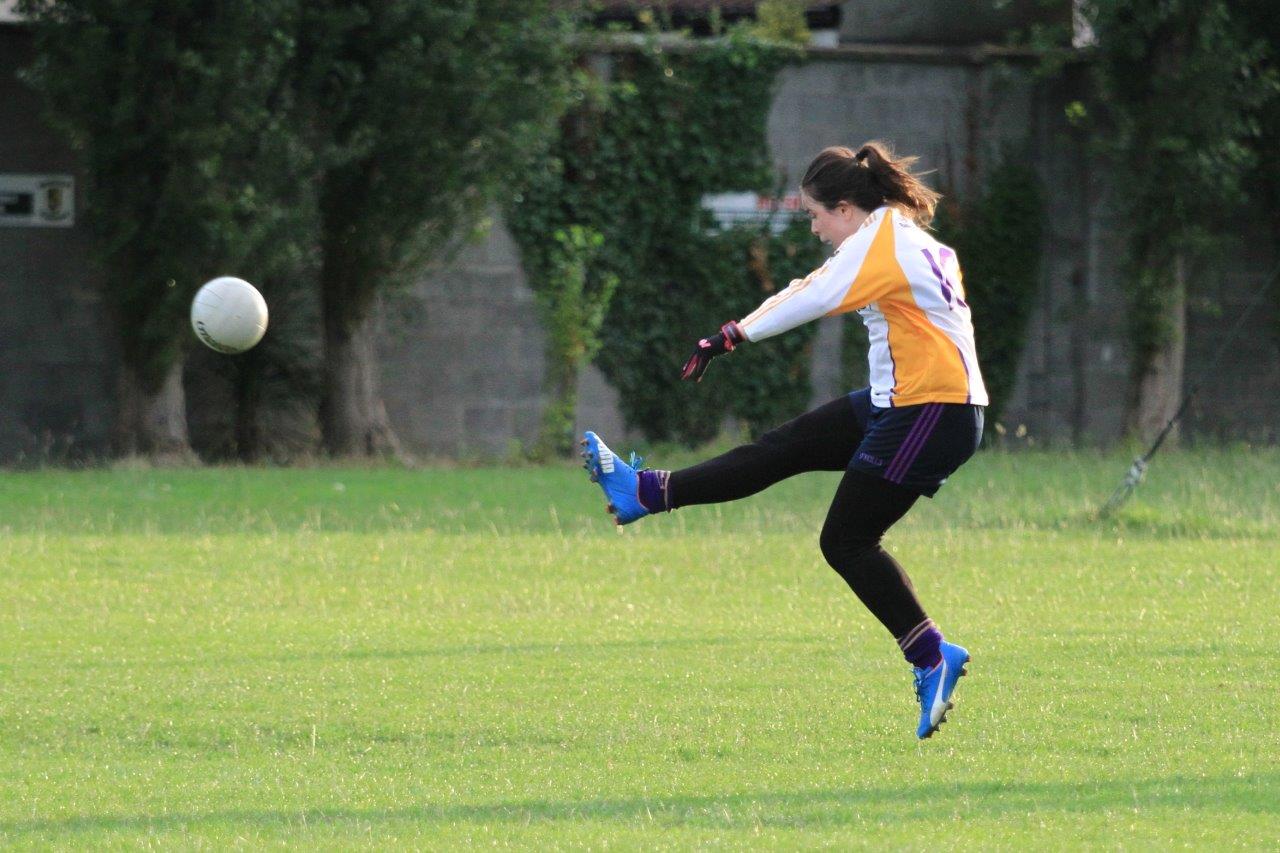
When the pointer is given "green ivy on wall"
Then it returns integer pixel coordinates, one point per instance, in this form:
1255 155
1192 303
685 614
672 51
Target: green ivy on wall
766 383
572 315
996 235
656 127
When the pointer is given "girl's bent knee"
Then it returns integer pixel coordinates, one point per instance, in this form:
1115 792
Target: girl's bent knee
843 550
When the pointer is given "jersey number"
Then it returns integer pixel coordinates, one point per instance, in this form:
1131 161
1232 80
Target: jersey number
950 290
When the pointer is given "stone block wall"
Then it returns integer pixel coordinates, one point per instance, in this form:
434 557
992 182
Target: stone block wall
958 115
1073 379
462 354
56 358
955 23
462 372
462 348
1238 400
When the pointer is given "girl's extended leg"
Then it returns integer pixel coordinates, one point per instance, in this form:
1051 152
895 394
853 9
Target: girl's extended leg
821 440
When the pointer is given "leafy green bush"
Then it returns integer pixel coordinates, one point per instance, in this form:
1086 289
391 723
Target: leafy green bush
572 306
997 237
767 383
633 161
782 21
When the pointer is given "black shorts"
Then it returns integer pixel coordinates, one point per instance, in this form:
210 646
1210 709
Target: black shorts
917 447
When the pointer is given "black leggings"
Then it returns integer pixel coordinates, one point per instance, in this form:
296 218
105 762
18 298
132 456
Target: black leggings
864 507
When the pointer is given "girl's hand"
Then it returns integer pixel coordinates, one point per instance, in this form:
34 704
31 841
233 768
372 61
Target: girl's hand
723 341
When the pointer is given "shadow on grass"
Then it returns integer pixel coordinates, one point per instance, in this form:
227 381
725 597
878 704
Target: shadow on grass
833 807
458 650
1145 523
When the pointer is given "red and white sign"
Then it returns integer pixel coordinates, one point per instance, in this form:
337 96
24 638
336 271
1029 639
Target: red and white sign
730 209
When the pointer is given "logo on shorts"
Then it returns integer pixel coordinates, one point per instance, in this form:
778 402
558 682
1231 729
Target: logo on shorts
867 457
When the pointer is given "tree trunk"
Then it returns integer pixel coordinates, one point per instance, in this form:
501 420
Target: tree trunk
1158 386
353 418
153 422
248 395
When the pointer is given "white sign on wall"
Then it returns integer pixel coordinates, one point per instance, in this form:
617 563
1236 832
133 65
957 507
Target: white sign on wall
730 209
37 201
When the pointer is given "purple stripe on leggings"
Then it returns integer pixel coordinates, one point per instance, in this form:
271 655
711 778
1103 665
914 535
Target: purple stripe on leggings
910 448
914 452
936 416
903 448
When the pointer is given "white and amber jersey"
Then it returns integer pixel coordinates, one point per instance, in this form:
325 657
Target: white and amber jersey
908 289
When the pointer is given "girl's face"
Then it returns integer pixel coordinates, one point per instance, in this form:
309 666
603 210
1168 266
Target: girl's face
832 225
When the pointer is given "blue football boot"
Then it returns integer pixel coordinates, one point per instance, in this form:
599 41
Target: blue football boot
934 687
617 478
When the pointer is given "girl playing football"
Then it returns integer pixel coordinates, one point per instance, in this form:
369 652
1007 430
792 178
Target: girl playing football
919 420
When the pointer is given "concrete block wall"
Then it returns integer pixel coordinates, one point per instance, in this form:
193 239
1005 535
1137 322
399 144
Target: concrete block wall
1072 379
915 22
916 108
449 390
462 366
1239 398
56 358
462 349
462 354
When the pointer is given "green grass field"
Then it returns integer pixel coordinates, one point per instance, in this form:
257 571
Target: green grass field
336 658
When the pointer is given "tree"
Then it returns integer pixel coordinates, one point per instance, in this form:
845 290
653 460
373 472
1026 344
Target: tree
1257 20
425 112
1178 81
175 107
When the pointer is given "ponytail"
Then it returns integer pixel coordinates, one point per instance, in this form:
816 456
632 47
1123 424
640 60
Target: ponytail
869 178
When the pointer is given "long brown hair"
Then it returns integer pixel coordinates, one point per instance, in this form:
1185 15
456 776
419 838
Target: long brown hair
869 178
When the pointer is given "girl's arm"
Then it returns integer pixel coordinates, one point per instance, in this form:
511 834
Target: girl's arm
838 285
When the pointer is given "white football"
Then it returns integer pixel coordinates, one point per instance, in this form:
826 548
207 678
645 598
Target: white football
229 314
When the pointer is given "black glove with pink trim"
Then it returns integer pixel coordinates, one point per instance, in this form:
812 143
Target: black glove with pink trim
723 341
